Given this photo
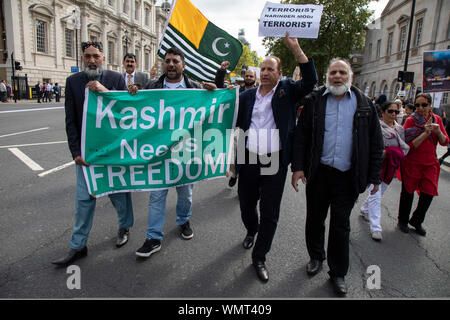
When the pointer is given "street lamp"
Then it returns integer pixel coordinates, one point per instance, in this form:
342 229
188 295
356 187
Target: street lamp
166 6
126 41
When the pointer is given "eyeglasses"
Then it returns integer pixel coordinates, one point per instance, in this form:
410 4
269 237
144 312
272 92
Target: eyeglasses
392 111
423 105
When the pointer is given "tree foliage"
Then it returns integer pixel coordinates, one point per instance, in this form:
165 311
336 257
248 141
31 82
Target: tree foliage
336 39
248 58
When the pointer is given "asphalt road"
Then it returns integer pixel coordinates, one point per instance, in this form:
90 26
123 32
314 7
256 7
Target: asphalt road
36 218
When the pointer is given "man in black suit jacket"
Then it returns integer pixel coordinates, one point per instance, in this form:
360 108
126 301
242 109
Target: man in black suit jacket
96 79
269 110
132 76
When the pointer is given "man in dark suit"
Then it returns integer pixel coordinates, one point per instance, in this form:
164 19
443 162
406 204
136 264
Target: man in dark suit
96 79
268 111
132 76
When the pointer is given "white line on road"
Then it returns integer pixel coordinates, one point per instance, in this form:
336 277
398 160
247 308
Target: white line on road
32 144
16 133
42 174
25 159
35 109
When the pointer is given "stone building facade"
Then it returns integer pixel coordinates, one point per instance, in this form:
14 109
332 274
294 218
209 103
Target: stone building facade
44 37
376 68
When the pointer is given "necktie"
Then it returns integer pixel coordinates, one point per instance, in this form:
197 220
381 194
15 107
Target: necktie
129 79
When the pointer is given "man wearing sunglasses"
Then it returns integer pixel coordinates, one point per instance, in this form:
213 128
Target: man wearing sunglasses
95 78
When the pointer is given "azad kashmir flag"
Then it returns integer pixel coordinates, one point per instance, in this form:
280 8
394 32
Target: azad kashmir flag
205 46
156 139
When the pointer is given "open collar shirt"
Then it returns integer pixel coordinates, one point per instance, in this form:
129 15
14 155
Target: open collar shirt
338 138
263 136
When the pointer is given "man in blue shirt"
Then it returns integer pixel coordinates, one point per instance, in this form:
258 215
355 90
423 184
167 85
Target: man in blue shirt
337 153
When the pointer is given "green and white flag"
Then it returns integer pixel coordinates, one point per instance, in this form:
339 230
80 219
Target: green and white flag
204 45
156 139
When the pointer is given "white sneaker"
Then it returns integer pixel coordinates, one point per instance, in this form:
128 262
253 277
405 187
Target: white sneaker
376 235
364 216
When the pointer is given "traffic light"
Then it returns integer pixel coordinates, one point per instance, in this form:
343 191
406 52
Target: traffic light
17 65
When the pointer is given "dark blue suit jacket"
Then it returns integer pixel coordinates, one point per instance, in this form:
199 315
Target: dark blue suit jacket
285 102
74 101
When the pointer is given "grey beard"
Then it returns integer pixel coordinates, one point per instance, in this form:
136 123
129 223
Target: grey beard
92 74
339 90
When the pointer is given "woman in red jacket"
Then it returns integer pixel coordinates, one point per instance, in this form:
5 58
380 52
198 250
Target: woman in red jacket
420 170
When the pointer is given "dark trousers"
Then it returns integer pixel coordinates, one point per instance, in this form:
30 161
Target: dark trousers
332 189
406 201
268 190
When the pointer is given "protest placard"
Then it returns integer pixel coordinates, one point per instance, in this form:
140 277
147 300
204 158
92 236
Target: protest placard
156 139
301 21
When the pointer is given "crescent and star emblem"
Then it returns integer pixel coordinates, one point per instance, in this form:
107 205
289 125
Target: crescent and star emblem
216 51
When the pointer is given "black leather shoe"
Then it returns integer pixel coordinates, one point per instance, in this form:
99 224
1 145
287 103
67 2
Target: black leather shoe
403 227
313 267
248 242
71 257
419 229
261 270
232 182
122 237
339 285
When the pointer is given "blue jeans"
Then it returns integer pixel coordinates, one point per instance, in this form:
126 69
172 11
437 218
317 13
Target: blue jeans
85 207
157 210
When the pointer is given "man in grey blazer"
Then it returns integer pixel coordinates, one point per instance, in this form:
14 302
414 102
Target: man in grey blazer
132 76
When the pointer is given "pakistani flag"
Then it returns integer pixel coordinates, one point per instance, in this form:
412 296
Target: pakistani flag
205 46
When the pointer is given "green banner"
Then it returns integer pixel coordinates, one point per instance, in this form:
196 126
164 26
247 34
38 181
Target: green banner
156 139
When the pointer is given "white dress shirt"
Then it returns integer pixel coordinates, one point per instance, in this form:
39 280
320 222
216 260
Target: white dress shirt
263 135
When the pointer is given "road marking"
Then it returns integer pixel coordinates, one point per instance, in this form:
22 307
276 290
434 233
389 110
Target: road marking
42 174
22 132
25 159
32 144
35 109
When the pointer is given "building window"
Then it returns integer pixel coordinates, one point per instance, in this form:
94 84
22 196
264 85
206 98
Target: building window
370 52
147 16
69 43
378 49
419 26
111 52
41 36
147 61
137 10
125 6
138 57
389 44
444 98
111 3
402 38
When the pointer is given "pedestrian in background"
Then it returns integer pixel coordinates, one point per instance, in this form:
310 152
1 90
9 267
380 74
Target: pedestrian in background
395 149
3 91
37 89
57 92
409 110
420 170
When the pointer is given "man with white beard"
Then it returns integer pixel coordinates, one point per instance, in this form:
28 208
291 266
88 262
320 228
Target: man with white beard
337 153
96 79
